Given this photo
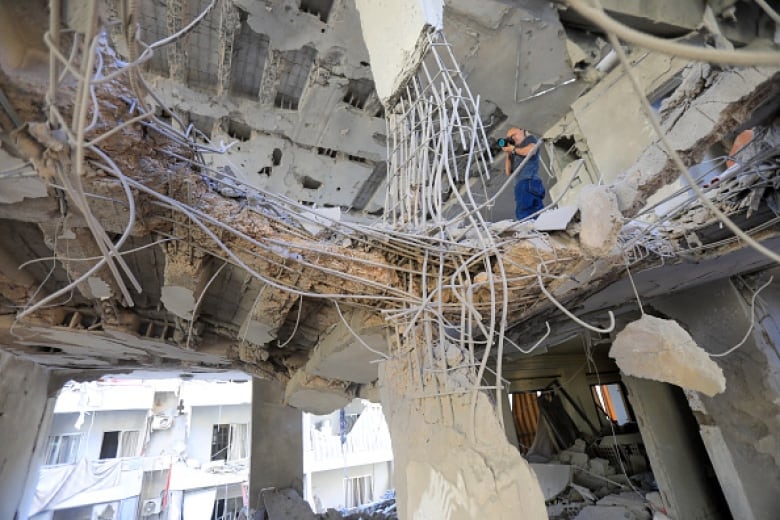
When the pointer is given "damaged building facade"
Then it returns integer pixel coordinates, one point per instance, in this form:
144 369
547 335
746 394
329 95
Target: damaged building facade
310 191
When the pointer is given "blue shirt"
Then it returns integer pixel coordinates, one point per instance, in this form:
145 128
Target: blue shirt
531 168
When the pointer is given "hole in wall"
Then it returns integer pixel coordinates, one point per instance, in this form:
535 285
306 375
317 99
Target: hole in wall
276 157
265 170
327 151
239 130
319 8
309 183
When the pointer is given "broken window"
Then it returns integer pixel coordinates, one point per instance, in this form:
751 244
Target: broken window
227 508
117 444
611 400
358 490
229 442
250 51
358 91
327 151
63 449
320 8
293 73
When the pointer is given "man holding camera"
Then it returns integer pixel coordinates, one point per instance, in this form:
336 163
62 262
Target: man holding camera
529 189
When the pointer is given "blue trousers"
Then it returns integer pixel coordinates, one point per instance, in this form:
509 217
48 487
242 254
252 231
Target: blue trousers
529 197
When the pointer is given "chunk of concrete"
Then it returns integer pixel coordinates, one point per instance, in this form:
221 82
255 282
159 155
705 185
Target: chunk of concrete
579 459
316 395
604 513
599 466
659 349
553 478
600 219
286 503
345 356
555 219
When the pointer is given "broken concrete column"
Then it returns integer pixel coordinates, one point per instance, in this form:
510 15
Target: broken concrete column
277 441
186 277
600 219
340 354
316 395
660 349
452 460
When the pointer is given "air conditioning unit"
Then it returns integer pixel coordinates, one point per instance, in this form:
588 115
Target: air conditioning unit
151 507
162 422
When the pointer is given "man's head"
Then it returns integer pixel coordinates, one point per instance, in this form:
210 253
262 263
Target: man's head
516 134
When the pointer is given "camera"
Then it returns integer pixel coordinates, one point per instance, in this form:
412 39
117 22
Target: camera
505 141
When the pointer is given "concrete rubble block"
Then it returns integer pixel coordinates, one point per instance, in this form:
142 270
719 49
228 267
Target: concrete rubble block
553 478
605 513
285 504
578 446
659 349
185 280
600 219
342 354
631 501
584 492
599 466
579 459
316 395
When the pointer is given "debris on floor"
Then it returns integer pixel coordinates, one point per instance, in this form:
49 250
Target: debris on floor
598 486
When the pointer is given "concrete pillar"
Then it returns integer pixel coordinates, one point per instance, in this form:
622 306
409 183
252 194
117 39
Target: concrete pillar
277 442
679 463
452 459
25 414
739 427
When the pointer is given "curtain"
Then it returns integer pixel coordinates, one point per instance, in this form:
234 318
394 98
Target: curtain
238 446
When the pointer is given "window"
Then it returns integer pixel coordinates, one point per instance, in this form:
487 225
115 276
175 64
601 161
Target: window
612 401
358 490
63 449
119 444
229 442
227 508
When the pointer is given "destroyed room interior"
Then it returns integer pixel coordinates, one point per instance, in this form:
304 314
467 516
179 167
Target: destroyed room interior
324 195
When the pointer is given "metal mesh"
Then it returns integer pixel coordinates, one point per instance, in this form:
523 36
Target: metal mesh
203 52
293 73
250 52
152 17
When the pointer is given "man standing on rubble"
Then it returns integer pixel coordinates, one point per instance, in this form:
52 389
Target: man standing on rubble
529 189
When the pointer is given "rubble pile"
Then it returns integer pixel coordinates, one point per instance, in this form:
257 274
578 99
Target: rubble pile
285 504
578 486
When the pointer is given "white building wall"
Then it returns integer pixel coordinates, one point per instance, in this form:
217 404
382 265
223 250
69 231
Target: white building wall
327 487
203 420
95 424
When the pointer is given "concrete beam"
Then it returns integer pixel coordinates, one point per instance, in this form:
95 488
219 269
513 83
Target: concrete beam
342 353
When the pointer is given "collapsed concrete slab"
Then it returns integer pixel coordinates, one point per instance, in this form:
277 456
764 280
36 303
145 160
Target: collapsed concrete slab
658 349
316 395
350 355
